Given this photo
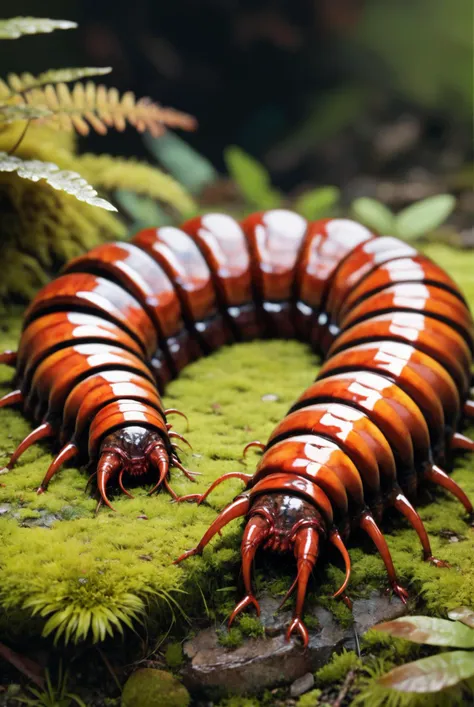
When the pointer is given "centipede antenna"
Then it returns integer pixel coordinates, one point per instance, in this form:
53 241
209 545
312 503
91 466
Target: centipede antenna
255 443
255 532
239 507
469 408
108 466
174 411
440 478
368 524
120 482
460 441
13 398
67 452
336 540
41 432
8 358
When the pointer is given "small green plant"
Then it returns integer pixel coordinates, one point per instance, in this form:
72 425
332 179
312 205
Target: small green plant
53 695
414 221
254 183
437 672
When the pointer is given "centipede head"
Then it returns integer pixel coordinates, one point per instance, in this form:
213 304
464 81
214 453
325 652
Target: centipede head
132 451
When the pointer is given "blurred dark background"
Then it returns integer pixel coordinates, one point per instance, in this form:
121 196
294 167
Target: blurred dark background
321 91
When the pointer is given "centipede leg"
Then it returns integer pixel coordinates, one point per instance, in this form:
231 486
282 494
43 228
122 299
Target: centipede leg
441 478
336 540
460 441
14 398
67 452
368 524
402 504
42 432
200 497
8 358
239 507
255 533
255 443
175 411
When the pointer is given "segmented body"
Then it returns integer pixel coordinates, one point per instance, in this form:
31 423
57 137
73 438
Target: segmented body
382 415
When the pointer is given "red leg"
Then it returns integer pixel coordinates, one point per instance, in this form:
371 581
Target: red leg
255 533
183 439
174 411
109 465
200 497
336 540
440 478
13 398
158 458
255 443
368 524
469 408
189 474
8 358
403 505
67 452
459 441
239 507
120 481
41 432
306 552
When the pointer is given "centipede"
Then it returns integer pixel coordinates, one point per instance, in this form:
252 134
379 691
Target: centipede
383 417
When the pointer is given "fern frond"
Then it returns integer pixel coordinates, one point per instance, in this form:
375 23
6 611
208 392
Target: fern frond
10 113
64 180
17 26
110 173
19 83
90 105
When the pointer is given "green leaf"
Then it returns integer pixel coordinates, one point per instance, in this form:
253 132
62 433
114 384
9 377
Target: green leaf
374 214
252 179
8 114
434 632
316 203
424 216
142 209
463 614
17 26
186 165
63 180
19 83
431 674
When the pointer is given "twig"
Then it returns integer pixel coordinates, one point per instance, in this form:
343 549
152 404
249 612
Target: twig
110 669
26 666
347 684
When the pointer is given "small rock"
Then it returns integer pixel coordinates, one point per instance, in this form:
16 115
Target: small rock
270 398
4 508
148 687
302 685
454 539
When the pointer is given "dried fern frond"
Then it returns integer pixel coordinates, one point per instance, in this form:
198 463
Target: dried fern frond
17 26
88 105
111 173
17 84
64 180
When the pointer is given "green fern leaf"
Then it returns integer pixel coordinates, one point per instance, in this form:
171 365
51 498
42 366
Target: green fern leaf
111 173
8 114
63 180
18 26
19 83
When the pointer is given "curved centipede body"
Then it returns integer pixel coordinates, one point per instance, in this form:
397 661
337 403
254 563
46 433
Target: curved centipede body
383 416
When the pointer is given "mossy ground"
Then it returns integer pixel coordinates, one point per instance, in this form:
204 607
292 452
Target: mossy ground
83 567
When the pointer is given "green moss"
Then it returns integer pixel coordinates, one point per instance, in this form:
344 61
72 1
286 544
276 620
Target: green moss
240 702
174 655
232 638
250 626
89 573
337 668
310 699
154 688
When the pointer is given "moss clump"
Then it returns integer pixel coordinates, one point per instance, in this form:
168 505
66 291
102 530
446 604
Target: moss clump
232 638
154 688
250 626
310 699
174 655
337 668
